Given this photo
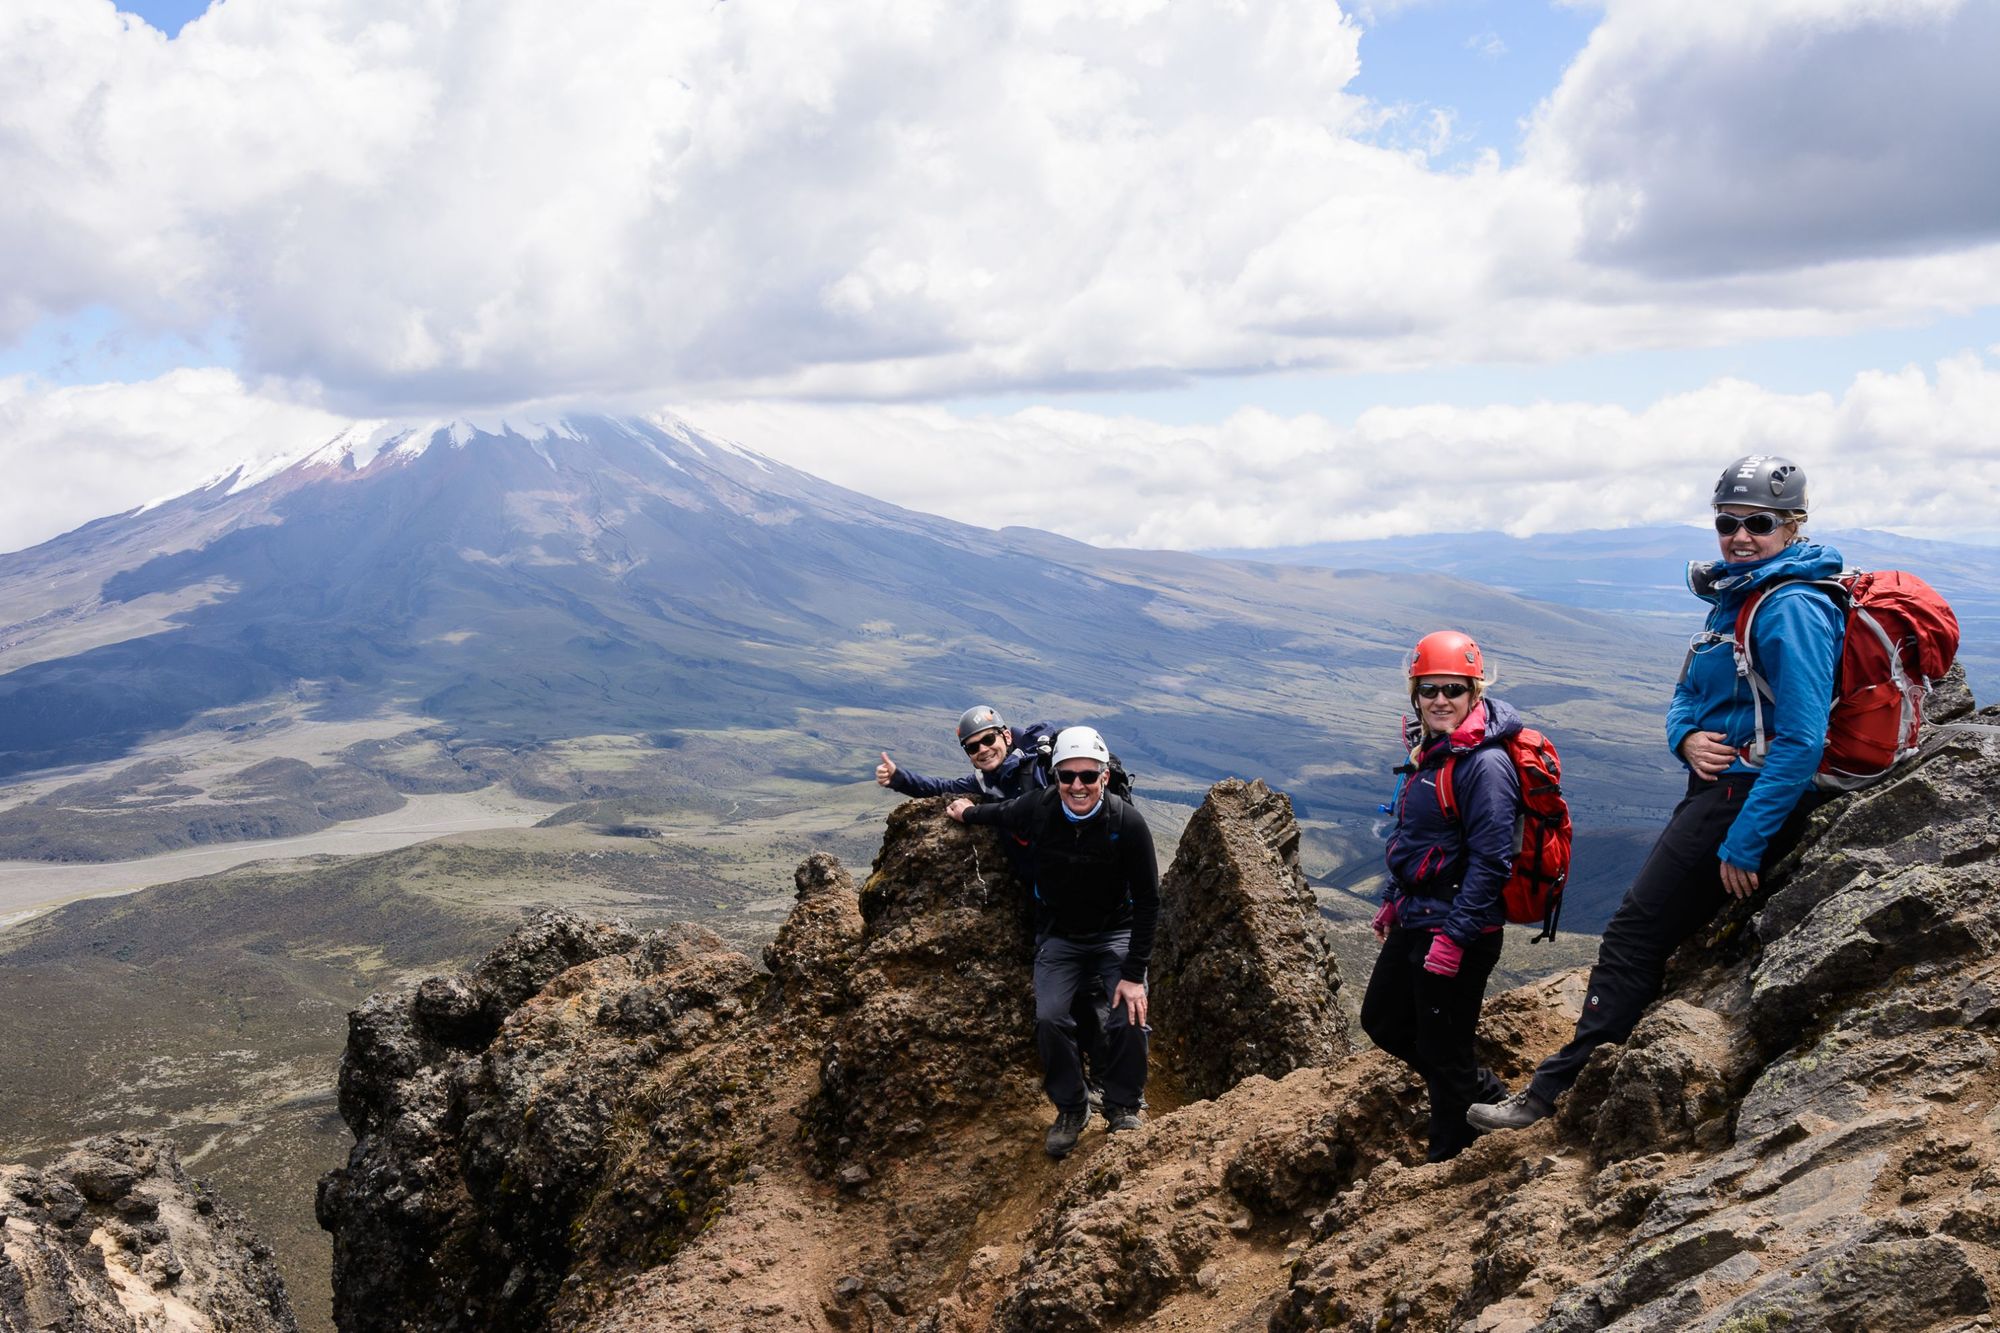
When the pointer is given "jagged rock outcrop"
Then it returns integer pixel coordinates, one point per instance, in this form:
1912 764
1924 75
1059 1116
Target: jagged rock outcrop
493 1111
114 1238
601 1130
1829 1167
941 1002
1244 976
1205 1212
1801 1134
816 947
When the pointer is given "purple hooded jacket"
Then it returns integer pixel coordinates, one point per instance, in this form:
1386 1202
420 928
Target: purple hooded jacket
1446 874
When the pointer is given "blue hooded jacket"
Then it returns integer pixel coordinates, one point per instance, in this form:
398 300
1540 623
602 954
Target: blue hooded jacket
1446 874
1795 645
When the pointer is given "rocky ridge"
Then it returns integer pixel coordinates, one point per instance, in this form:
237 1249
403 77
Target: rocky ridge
649 1133
114 1238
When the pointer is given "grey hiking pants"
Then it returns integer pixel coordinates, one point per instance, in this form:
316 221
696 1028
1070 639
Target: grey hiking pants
1061 968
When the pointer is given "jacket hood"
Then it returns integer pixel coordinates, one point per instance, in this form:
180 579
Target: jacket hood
1716 580
996 782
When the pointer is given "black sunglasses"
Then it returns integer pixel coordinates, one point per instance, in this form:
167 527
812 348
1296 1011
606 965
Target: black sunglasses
1087 777
978 743
1450 691
1760 524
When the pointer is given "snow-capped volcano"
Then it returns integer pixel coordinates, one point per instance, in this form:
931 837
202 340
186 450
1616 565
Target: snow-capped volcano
366 444
520 571
525 580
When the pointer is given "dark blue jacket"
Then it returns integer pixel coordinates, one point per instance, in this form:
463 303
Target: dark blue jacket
1089 875
1018 773
1446 874
1795 645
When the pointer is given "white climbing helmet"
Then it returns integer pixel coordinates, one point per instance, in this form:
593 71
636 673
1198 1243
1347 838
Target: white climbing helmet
1080 743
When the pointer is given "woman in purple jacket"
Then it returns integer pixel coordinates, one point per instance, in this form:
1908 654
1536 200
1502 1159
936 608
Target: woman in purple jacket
1441 918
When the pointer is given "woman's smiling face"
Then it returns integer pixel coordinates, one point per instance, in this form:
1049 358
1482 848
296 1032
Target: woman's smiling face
1743 546
1440 713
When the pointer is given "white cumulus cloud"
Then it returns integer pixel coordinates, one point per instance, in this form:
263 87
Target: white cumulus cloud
1731 138
81 452
436 206
1912 449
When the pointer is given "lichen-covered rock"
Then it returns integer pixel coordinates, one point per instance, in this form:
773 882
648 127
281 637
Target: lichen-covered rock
816 947
114 1238
942 1000
537 954
1858 938
1244 977
1679 1072
478 1180
1865 1285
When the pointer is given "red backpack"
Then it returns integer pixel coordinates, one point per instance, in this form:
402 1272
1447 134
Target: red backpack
1533 893
1901 636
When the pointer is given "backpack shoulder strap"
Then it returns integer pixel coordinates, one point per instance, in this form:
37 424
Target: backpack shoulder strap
1760 689
1447 795
1836 589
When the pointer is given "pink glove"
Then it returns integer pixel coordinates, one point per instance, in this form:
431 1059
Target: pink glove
1384 922
1444 956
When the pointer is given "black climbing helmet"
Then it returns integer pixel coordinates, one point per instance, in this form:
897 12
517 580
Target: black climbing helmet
1764 480
976 719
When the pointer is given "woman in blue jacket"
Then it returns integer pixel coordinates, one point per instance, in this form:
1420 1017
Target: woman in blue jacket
1441 918
1742 809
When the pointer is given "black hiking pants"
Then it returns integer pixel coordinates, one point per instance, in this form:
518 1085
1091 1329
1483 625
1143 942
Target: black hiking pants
1429 1023
1063 967
1677 891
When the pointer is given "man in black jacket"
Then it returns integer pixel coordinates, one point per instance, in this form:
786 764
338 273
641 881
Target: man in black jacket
1096 883
1004 767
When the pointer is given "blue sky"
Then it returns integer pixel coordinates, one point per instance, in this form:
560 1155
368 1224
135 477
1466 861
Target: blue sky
1487 62
169 16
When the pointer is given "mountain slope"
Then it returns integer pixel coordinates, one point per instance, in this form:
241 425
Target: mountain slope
1643 571
521 584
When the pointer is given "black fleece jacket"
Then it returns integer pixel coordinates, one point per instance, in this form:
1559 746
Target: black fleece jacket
1089 876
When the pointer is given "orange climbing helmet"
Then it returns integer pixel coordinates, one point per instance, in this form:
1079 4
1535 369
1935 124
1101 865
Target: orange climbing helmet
1447 653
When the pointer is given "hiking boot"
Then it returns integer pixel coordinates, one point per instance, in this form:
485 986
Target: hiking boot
1093 1094
1119 1118
1063 1133
1517 1112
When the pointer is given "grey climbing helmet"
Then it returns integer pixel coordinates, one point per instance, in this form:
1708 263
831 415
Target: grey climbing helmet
978 718
1764 480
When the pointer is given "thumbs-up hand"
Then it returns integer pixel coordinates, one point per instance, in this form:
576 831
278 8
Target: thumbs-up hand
885 770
